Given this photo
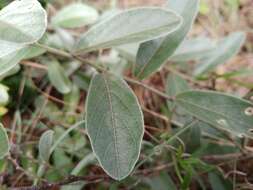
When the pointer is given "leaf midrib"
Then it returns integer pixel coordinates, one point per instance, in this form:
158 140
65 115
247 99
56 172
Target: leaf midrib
113 120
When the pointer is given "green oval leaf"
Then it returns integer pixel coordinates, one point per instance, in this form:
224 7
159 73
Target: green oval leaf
4 142
226 48
45 144
58 77
193 49
9 61
22 22
11 72
153 54
114 124
128 27
218 109
75 15
90 158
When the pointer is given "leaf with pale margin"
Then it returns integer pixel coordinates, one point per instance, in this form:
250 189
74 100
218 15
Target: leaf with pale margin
58 77
226 49
8 62
88 159
22 23
75 15
130 26
153 54
115 125
11 72
65 134
4 142
45 144
218 109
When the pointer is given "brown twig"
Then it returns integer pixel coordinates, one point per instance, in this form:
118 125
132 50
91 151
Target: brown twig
97 67
68 180
34 65
90 179
19 168
57 100
151 89
156 115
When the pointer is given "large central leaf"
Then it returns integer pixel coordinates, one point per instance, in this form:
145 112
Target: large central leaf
114 124
134 25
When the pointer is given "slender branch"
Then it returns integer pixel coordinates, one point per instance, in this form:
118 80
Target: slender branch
94 65
164 144
55 99
186 77
155 91
60 139
19 168
99 69
90 179
99 178
129 80
34 65
156 115
68 180
53 50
